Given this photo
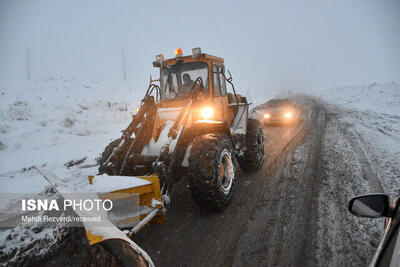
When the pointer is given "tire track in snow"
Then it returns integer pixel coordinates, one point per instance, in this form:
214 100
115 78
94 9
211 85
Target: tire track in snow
368 171
282 228
343 239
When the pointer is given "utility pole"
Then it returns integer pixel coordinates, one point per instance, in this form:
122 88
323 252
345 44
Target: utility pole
123 62
28 64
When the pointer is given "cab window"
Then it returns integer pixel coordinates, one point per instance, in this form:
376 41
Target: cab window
222 80
178 80
216 84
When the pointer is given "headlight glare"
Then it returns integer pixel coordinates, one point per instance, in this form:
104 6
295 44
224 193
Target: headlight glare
207 113
288 115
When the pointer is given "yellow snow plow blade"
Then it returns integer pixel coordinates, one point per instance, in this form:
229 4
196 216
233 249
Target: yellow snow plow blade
142 192
145 189
144 195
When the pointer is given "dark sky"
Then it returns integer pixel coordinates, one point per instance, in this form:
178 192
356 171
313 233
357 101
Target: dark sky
267 45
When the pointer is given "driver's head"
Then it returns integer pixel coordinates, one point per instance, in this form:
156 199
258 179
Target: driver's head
186 77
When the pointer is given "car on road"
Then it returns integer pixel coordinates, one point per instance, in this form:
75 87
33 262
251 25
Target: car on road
376 206
280 112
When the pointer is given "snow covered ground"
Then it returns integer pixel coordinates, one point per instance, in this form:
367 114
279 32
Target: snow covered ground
50 123
371 114
361 152
47 124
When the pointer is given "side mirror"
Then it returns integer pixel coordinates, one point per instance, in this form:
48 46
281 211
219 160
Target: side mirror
230 79
370 206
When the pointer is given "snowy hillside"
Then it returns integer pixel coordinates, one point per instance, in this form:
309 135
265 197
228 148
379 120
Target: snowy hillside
372 113
50 123
376 97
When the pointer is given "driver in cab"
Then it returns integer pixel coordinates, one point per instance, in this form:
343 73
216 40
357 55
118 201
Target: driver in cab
187 84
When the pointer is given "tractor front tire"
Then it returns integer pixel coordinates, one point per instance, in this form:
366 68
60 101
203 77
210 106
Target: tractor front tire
212 171
253 157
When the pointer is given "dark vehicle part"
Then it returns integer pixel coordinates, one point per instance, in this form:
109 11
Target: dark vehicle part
370 206
116 163
375 206
253 156
212 171
124 253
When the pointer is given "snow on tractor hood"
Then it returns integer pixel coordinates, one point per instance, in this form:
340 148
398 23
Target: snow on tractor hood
154 147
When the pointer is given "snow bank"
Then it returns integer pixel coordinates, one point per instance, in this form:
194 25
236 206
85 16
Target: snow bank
372 115
377 97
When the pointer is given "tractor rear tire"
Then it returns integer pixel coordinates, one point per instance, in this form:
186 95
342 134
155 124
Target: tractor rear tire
105 155
253 157
211 171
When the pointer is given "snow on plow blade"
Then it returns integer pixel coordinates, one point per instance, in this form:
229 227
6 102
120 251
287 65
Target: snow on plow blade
137 197
145 190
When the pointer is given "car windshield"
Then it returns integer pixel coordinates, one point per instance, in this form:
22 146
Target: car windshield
177 80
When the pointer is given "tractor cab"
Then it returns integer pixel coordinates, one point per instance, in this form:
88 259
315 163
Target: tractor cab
178 80
181 75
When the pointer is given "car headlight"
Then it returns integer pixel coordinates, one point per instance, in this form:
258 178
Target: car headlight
207 113
288 115
267 116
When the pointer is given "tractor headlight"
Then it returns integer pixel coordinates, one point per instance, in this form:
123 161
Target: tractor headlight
267 116
288 115
207 113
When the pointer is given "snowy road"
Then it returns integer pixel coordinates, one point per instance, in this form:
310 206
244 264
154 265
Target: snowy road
293 212
194 237
249 231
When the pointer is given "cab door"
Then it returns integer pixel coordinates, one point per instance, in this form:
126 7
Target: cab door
228 113
217 96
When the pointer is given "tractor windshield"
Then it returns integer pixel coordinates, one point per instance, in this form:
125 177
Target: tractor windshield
178 80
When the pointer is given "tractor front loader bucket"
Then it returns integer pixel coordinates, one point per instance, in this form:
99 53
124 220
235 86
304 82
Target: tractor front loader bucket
119 189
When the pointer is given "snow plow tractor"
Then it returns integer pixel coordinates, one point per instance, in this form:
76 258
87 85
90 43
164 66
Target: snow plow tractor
188 125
